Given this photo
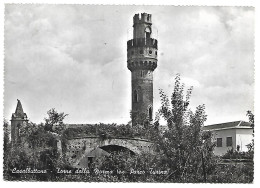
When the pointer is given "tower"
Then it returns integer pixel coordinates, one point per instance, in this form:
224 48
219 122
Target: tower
19 118
142 61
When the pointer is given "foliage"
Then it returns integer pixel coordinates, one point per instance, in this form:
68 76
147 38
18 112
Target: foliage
37 149
133 168
106 131
251 117
139 118
231 154
232 173
7 145
188 150
6 135
184 151
54 121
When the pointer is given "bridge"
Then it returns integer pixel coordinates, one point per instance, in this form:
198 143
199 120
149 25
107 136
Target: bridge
80 151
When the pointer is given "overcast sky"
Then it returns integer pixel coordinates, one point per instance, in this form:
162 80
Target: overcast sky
73 58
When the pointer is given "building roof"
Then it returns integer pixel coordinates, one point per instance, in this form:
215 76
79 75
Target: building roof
19 113
229 125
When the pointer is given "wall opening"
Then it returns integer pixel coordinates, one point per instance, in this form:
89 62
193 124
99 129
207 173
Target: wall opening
117 149
135 96
90 161
150 113
148 33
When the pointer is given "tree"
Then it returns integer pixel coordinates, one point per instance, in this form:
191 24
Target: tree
54 121
38 148
187 148
251 117
6 135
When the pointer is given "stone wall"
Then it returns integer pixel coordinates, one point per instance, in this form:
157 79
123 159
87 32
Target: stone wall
78 148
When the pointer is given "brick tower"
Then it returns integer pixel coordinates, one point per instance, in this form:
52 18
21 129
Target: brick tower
19 118
141 61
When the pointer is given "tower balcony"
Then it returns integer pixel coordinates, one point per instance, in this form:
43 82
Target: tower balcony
142 42
142 65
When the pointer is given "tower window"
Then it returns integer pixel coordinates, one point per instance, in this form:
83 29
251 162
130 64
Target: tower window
155 52
150 113
148 32
150 52
135 96
147 35
142 73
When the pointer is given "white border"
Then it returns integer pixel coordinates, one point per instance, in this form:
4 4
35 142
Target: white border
253 3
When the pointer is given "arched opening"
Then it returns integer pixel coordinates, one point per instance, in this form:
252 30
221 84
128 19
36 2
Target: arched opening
147 35
90 157
116 149
135 96
150 113
148 32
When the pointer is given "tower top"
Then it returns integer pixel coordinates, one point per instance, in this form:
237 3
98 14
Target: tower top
19 113
145 18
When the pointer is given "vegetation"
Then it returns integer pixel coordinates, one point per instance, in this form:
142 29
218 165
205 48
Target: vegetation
183 152
36 150
106 131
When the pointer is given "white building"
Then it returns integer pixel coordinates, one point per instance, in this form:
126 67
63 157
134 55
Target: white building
236 135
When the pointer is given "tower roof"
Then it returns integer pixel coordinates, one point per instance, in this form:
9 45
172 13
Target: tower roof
19 113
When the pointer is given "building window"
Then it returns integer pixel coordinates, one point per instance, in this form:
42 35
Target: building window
141 52
229 141
150 52
132 52
219 142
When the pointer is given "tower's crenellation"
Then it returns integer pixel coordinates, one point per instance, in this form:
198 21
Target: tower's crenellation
144 18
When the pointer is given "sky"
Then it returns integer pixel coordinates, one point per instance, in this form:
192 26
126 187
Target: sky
73 58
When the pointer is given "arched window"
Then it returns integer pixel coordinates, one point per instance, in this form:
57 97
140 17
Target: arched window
148 32
142 74
135 96
150 113
18 129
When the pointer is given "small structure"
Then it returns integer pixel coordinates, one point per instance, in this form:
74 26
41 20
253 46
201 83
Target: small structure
234 135
19 119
